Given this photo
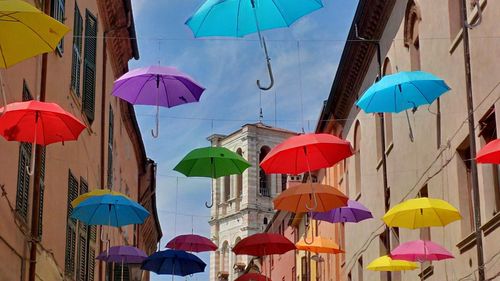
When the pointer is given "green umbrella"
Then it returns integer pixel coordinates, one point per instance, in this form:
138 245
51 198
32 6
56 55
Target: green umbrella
212 162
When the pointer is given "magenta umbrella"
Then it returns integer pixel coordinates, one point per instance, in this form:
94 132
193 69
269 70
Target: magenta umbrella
420 250
192 243
353 212
157 85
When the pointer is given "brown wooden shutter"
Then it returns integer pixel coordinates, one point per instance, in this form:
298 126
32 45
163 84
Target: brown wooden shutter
42 192
69 261
89 66
76 64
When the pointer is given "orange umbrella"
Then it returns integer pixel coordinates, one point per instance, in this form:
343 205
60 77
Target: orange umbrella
319 245
298 198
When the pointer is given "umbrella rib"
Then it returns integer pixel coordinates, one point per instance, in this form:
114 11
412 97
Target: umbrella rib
142 87
125 81
187 88
41 38
67 126
3 56
116 214
166 92
422 94
237 17
281 13
204 18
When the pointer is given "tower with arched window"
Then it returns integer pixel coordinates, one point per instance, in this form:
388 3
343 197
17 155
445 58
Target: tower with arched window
243 203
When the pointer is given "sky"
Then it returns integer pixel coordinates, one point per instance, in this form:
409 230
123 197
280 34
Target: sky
304 59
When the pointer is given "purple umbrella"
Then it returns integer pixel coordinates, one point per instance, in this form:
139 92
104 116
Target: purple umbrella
353 212
157 85
123 255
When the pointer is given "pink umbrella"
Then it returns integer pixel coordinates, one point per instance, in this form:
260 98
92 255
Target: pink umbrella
420 250
192 243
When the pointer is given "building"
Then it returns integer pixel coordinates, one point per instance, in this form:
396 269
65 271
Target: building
243 203
110 153
419 35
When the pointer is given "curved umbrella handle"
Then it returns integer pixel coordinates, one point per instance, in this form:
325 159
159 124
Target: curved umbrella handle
30 170
315 199
156 133
269 69
211 202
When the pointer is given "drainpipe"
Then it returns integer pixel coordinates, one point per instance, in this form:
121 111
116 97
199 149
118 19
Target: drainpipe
472 139
35 211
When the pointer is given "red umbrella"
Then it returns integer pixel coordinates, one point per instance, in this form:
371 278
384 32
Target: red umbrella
262 244
252 277
490 153
192 243
308 152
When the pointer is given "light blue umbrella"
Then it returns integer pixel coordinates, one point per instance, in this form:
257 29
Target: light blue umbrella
402 91
237 18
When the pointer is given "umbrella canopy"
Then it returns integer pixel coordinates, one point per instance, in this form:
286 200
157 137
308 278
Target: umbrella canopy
299 198
490 153
212 162
252 277
95 192
386 263
262 244
420 250
157 85
192 243
123 254
240 17
112 210
26 32
353 212
305 153
173 262
401 91
38 122
421 212
319 245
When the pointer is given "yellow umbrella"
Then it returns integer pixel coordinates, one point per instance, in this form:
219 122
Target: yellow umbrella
96 192
26 32
385 263
319 245
421 212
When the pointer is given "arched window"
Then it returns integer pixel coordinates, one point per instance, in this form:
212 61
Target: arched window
284 179
227 188
239 178
264 180
265 221
239 258
357 156
224 259
411 33
386 70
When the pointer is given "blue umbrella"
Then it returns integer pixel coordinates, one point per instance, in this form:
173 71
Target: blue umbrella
402 91
237 18
111 210
173 262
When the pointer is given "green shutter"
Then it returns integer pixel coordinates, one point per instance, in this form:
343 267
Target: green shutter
91 264
76 64
89 66
82 254
69 261
110 147
42 190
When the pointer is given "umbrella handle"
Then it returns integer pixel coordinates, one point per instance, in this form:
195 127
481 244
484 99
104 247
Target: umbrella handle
409 126
155 133
211 202
30 170
269 69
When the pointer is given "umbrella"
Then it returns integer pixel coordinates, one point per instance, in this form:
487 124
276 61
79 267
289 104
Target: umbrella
157 85
319 245
38 122
401 91
123 255
490 153
386 263
192 243
241 17
421 212
252 277
353 212
298 198
262 244
305 153
96 192
211 162
420 250
173 262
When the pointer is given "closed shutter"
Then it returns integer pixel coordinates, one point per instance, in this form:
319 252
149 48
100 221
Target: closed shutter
89 66
58 11
92 247
42 190
76 64
110 147
118 272
69 261
82 241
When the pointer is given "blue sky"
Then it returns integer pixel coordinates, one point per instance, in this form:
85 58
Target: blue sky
228 69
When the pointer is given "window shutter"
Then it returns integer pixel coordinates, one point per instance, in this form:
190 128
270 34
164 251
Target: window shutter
110 147
117 276
58 11
42 189
82 254
91 263
89 66
76 64
69 261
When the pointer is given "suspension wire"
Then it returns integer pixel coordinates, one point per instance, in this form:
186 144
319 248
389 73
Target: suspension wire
300 87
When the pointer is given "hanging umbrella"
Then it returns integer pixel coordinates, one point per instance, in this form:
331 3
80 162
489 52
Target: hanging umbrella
173 262
420 250
262 244
319 245
38 122
252 277
490 153
123 255
241 17
353 212
386 263
299 198
93 193
157 85
192 243
306 153
211 162
421 212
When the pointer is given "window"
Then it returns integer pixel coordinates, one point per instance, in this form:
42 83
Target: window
360 269
58 13
304 269
227 188
357 156
265 221
110 146
284 180
455 18
115 270
89 66
239 178
411 33
224 266
76 63
264 180
465 188
386 70
69 261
